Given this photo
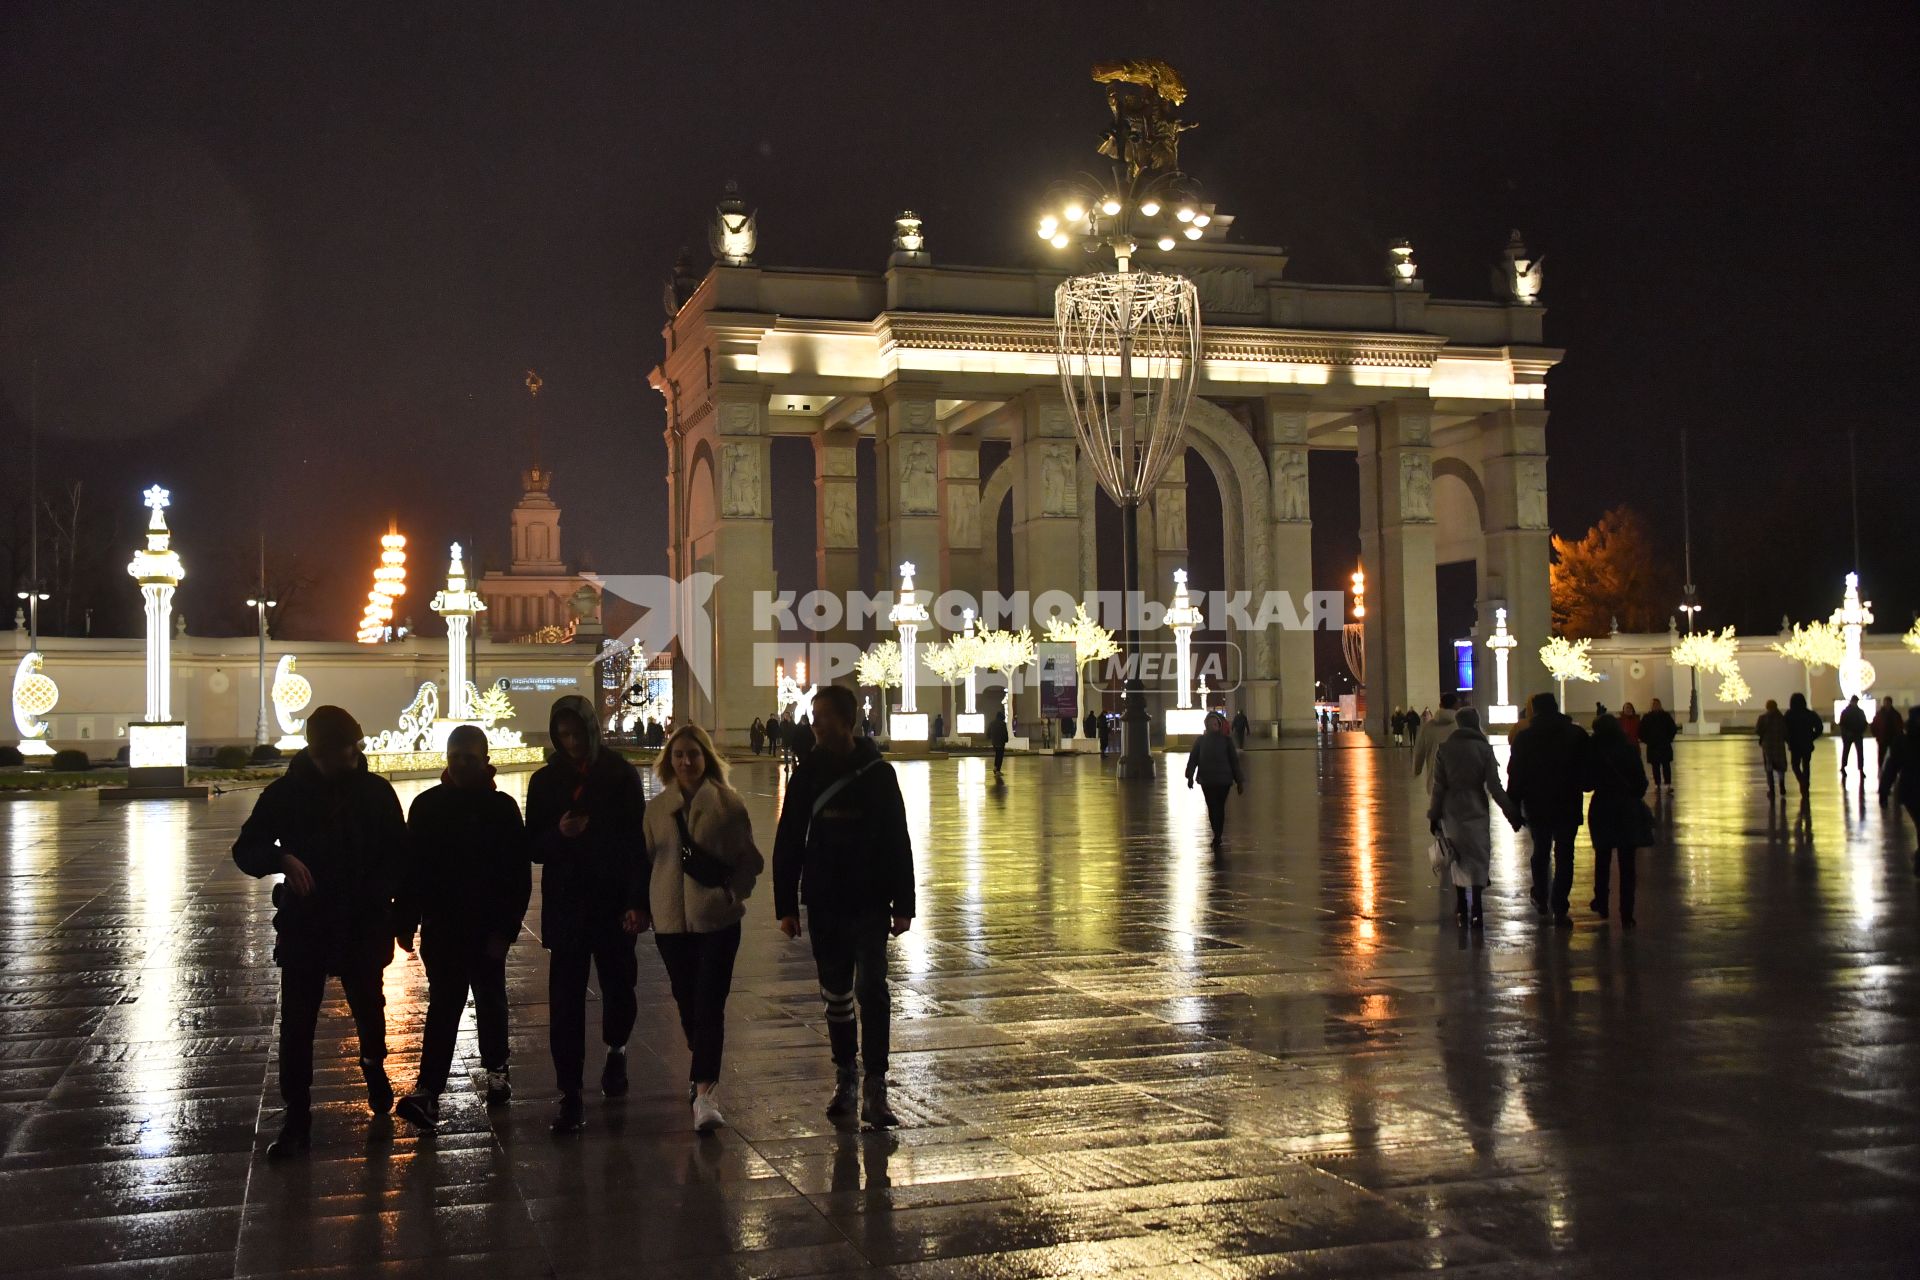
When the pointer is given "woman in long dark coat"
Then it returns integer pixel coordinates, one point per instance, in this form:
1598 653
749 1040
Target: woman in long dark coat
1465 775
1616 817
1657 732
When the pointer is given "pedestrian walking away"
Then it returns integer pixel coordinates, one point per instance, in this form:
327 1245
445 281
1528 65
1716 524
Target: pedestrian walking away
1466 787
1432 734
1240 727
1804 727
703 866
800 739
1853 735
1216 762
1901 777
1887 730
842 850
335 834
1618 820
465 891
1770 730
997 739
1657 731
584 811
1547 776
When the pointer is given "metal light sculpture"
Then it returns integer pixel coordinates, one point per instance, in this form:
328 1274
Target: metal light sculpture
1855 672
291 694
1502 643
1130 341
1183 616
908 615
970 721
389 584
457 605
156 741
34 695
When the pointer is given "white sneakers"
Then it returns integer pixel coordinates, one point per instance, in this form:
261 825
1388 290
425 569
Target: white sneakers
706 1113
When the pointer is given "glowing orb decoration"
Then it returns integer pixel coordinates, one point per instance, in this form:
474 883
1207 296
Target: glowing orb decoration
291 693
34 694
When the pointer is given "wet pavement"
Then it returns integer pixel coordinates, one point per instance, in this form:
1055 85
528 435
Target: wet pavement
1115 1055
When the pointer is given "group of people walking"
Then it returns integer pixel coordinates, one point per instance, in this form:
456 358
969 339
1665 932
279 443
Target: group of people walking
358 878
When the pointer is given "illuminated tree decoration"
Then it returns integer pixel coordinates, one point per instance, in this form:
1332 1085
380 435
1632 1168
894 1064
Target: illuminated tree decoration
1092 643
1567 660
389 584
1007 652
1912 638
1716 653
1816 645
879 666
492 705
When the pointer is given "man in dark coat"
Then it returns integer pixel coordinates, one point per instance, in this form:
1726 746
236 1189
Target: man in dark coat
467 886
800 739
1240 727
842 848
997 739
1547 777
335 833
1887 729
1853 735
1657 732
1090 727
1901 777
583 825
1804 727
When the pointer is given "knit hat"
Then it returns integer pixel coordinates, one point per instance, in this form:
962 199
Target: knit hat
330 728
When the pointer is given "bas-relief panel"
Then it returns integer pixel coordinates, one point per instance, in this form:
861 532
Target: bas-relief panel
739 420
740 481
963 516
1530 492
840 503
918 493
1170 518
1057 490
1416 487
1290 497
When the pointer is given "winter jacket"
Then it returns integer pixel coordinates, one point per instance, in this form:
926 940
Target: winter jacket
1547 773
854 857
349 832
1431 735
1618 781
1804 726
1771 730
997 732
1240 726
718 823
800 739
1216 760
1901 777
1887 727
1852 723
587 879
1657 731
1464 775
468 877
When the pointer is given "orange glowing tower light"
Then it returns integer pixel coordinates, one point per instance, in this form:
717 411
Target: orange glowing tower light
389 584
1360 593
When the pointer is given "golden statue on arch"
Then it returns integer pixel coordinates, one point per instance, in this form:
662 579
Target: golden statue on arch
1145 134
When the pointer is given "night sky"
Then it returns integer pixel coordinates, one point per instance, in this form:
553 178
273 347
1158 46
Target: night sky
293 260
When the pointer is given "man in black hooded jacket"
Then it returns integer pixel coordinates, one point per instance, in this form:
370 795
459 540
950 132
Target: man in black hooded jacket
1547 776
335 833
583 824
842 847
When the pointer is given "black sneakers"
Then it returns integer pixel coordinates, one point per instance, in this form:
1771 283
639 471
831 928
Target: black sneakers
379 1088
296 1137
572 1117
499 1087
613 1077
421 1110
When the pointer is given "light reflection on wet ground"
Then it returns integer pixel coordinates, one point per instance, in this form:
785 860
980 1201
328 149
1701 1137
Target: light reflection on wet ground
1115 1054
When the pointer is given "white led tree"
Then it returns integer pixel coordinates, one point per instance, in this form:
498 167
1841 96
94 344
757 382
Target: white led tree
1912 638
1007 652
1816 645
880 668
1717 653
1091 643
1567 660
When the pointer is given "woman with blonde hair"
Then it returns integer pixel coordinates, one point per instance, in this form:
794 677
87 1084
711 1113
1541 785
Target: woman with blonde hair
703 866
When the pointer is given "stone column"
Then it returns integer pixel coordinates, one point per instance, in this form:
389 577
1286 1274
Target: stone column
1514 552
1290 543
1046 509
836 521
736 544
907 453
1396 544
1169 534
960 564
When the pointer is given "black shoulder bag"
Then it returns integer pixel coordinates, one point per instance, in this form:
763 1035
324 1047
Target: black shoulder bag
697 862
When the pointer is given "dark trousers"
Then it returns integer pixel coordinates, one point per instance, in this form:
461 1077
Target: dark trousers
1882 748
850 953
1216 794
455 967
567 1003
1663 773
1553 853
1602 868
301 992
999 754
1854 748
1802 762
700 967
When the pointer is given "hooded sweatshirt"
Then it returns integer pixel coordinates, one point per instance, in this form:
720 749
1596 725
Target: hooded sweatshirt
853 857
586 880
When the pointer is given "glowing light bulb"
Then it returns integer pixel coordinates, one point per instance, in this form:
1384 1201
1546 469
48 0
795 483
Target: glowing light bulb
1201 219
1075 211
1184 213
1046 232
1150 207
1167 242
1059 241
1048 225
1194 233
1110 206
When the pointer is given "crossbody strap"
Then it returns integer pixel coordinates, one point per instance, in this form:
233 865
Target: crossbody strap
833 789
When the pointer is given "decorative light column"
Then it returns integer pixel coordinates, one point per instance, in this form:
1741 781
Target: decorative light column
1183 718
34 694
1855 672
1502 643
291 694
157 744
970 721
907 615
457 605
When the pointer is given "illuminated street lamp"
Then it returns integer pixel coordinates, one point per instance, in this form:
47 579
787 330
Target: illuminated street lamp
1183 616
156 744
907 616
1502 643
1129 341
457 605
260 607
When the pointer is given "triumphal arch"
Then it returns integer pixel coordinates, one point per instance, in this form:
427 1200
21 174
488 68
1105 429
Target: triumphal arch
1443 401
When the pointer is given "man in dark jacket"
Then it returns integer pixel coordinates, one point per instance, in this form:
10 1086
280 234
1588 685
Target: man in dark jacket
1240 727
467 886
997 739
1804 727
842 848
583 825
1217 763
1657 732
1547 777
800 739
335 833
1853 735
